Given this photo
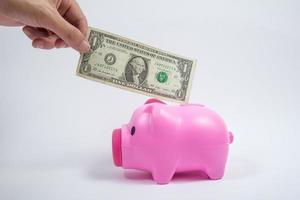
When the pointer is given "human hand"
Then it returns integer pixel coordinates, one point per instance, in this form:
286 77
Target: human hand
48 23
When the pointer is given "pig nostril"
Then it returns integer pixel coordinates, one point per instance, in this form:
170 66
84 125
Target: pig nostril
132 130
117 147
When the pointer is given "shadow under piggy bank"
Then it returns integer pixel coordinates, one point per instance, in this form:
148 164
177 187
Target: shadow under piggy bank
102 169
143 176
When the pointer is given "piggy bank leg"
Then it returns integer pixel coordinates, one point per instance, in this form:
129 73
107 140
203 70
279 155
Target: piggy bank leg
215 173
215 163
163 174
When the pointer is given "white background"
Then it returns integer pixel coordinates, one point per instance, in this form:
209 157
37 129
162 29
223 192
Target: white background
55 127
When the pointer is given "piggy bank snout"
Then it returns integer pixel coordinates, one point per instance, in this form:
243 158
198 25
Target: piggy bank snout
116 147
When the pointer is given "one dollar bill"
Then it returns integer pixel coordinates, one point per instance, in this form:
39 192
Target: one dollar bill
133 66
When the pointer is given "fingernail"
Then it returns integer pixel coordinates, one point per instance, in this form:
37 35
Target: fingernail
61 45
39 45
28 33
84 46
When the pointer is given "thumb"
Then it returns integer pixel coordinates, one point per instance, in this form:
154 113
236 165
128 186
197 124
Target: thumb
69 33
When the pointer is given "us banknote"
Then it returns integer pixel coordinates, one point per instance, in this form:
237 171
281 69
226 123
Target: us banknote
133 66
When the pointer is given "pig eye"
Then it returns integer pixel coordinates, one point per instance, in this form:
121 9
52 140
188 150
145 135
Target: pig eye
132 131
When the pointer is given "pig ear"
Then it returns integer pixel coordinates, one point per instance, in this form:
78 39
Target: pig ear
154 101
149 109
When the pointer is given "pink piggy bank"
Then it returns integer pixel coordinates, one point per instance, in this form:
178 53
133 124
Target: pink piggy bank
165 139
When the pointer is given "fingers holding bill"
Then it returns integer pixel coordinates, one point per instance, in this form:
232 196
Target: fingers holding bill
34 33
43 38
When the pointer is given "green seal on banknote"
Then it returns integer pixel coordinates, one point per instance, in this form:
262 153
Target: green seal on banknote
162 77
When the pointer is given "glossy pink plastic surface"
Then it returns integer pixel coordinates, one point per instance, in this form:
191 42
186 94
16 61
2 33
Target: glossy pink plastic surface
165 139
